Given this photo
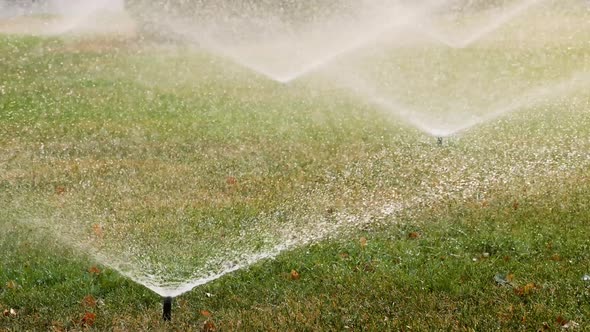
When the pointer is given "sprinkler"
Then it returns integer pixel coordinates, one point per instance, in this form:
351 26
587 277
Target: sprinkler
439 140
167 310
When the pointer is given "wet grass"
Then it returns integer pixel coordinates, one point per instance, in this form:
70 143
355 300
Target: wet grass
434 273
165 159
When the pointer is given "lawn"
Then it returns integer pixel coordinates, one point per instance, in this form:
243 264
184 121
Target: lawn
124 164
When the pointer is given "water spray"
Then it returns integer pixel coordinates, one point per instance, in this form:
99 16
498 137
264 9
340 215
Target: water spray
167 308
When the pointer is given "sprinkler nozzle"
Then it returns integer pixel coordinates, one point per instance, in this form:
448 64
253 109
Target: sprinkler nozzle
439 140
167 308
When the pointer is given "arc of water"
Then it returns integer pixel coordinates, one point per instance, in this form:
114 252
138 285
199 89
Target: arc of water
356 42
531 98
324 230
73 21
175 289
120 264
172 289
369 92
479 32
433 194
184 31
168 288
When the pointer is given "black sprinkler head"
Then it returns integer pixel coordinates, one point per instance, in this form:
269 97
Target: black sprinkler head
439 140
167 309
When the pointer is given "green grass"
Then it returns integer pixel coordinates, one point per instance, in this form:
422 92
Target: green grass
115 153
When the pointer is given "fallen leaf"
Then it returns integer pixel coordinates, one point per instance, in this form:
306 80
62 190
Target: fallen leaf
413 235
555 258
566 324
344 255
11 284
294 275
89 301
94 270
560 320
526 289
97 231
206 313
88 319
230 180
60 190
363 241
515 205
208 326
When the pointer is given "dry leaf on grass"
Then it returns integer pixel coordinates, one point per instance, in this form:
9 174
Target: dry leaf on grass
209 326
515 205
363 241
232 181
60 190
10 313
413 235
97 230
294 275
11 284
525 290
566 324
88 319
89 301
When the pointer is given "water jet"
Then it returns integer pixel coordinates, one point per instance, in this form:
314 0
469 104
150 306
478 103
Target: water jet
438 110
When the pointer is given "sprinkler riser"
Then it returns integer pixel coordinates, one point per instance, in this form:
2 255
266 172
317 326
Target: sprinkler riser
167 309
